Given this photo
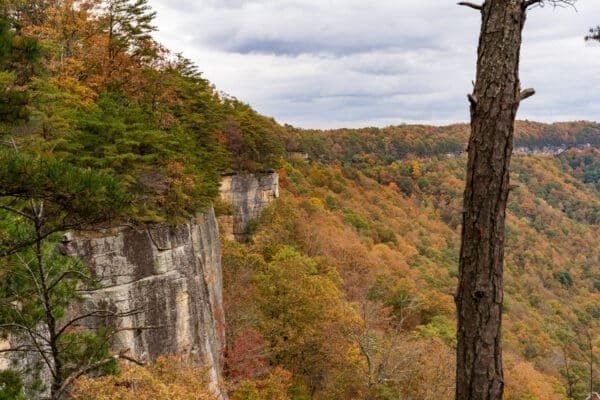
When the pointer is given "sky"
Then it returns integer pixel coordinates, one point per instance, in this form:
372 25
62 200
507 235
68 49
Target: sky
356 63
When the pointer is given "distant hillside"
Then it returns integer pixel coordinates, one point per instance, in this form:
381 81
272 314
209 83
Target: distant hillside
380 208
385 145
344 288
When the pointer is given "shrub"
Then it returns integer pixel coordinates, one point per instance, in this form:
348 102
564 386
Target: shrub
167 378
564 277
357 221
223 207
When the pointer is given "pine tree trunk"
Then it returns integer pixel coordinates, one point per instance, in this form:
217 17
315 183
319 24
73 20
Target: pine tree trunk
494 105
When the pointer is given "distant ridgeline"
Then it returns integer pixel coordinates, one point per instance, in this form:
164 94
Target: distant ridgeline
373 218
135 110
383 146
150 118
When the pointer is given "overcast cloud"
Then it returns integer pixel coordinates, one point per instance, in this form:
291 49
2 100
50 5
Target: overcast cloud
353 63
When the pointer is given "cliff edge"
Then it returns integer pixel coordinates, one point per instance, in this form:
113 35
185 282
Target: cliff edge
172 278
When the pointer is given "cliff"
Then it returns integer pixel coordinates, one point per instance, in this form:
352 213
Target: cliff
172 278
249 194
168 279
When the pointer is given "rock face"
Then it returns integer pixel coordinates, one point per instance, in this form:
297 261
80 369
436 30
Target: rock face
249 194
173 277
168 279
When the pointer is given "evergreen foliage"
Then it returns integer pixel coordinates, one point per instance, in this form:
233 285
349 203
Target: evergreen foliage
344 289
11 385
39 201
19 55
89 85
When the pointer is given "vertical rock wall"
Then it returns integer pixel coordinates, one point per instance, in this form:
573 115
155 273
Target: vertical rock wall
169 278
249 194
173 277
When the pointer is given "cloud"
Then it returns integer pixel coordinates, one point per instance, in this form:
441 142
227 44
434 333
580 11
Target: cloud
334 63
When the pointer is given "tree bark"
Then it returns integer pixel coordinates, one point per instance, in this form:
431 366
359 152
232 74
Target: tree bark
494 104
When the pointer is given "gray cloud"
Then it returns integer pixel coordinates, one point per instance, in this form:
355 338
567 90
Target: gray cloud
316 63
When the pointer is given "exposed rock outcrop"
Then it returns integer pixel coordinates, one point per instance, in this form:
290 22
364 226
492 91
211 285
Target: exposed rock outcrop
174 277
249 194
550 150
170 277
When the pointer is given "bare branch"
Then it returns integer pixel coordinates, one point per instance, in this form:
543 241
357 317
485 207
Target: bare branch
18 212
17 247
83 277
31 273
26 329
99 313
554 3
525 94
471 5
42 352
530 3
23 349
472 100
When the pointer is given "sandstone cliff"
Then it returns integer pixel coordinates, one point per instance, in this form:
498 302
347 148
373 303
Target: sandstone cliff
170 277
249 194
173 277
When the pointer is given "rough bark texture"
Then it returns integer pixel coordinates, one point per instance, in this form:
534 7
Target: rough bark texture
494 105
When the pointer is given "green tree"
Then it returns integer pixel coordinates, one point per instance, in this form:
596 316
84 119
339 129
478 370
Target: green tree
304 314
129 27
40 287
199 110
11 386
19 55
255 141
169 176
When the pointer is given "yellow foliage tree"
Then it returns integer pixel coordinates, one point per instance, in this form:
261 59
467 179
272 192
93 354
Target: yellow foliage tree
273 387
523 382
169 378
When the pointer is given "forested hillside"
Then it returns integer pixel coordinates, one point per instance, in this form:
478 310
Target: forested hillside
344 288
352 276
101 127
383 146
84 82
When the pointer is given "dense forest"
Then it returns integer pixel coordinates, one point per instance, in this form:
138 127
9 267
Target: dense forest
384 146
344 287
369 253
84 82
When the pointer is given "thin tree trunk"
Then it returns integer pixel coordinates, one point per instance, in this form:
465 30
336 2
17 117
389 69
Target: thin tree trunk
570 395
591 361
50 319
494 105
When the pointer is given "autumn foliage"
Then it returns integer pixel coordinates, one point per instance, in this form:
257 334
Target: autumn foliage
168 378
379 243
345 289
85 82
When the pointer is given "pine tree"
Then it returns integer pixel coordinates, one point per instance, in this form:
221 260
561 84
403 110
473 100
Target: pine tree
19 56
494 102
39 201
129 27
